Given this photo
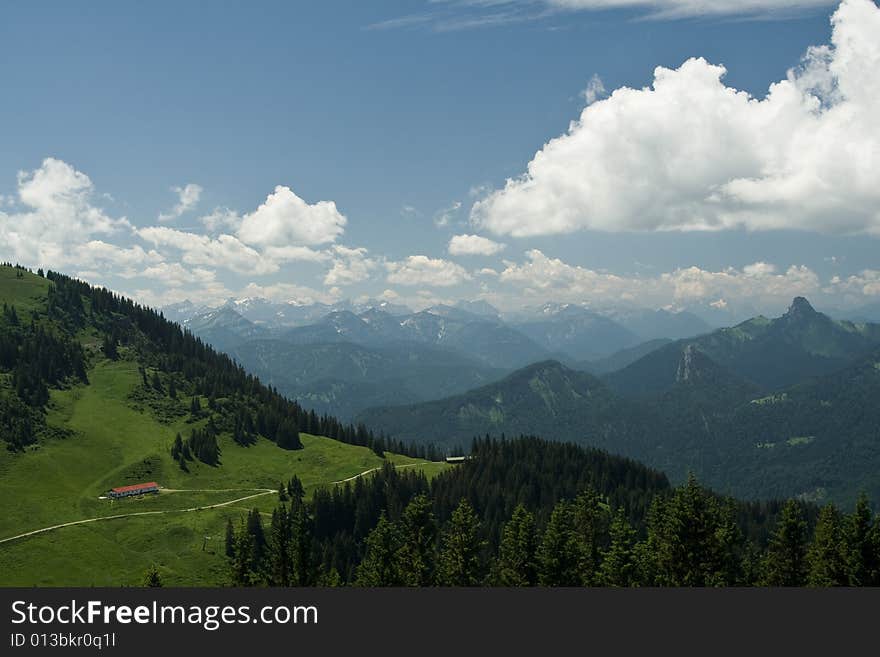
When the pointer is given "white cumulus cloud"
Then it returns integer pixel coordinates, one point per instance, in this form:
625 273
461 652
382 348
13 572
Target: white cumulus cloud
691 153
224 251
221 219
55 217
284 219
473 245
864 284
350 266
420 270
544 277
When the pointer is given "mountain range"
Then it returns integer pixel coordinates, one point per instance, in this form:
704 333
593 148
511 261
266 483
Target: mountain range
277 339
771 353
772 407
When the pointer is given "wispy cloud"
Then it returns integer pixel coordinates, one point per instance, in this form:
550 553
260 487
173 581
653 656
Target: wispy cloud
457 15
188 198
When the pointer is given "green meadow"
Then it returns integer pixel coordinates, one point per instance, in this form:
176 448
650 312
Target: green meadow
104 439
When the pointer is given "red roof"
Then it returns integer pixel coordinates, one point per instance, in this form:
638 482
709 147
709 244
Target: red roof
126 489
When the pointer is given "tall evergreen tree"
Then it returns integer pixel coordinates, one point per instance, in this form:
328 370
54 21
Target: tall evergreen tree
862 533
288 436
254 527
380 566
230 538
278 548
418 551
109 347
619 560
827 554
785 562
243 559
296 491
693 540
560 552
300 545
460 556
516 564
591 525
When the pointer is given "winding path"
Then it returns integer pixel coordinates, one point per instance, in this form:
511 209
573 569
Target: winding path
366 472
263 491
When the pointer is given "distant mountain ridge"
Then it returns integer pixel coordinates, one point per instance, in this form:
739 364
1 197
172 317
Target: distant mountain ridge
347 378
807 428
580 333
771 353
576 404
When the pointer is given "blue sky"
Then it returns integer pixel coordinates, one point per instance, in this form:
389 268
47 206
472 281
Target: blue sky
409 117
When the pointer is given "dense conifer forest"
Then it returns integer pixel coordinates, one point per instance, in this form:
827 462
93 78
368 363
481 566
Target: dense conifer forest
527 512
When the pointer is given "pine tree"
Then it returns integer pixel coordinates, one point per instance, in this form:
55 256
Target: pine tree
330 579
380 564
278 548
418 549
296 491
693 540
619 560
108 346
827 555
288 436
516 565
230 538
862 534
785 562
460 557
255 529
300 546
243 559
591 525
152 578
560 551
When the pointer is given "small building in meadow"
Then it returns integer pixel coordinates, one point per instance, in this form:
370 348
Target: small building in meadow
134 489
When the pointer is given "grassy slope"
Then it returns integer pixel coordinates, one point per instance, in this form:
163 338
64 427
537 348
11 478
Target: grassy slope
27 294
60 481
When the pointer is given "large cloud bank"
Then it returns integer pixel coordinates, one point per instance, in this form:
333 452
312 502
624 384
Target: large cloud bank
690 153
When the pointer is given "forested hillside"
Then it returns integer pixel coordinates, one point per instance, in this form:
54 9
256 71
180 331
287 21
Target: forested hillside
45 341
529 512
817 440
343 378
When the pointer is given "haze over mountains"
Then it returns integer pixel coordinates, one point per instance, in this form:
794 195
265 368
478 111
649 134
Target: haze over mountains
348 357
768 407
771 407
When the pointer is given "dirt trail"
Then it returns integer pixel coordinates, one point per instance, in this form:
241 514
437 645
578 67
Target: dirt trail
263 491
366 472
